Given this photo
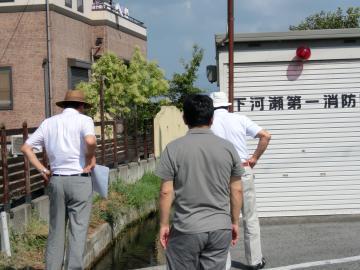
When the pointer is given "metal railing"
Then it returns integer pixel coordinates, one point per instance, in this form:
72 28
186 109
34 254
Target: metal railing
97 5
19 181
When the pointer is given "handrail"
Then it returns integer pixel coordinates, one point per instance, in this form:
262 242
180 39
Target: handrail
107 6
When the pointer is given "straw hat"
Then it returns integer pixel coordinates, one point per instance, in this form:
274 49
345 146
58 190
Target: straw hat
73 96
220 99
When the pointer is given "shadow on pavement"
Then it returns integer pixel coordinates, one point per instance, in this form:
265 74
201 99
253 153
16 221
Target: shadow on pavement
239 265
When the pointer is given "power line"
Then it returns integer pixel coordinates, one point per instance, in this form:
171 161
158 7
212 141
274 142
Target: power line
15 30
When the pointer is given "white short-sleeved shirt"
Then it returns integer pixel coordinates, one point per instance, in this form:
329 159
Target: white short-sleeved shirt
234 128
63 138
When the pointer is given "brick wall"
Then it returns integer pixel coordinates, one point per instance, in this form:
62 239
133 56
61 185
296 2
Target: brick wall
25 54
70 38
123 44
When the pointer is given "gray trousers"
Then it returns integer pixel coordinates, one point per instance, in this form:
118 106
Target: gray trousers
204 251
252 241
70 202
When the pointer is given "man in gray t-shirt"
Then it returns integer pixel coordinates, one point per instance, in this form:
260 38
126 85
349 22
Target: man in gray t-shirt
203 171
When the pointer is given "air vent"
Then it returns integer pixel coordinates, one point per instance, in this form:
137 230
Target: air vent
16 143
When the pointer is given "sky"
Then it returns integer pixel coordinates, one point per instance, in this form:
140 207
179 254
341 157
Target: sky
174 26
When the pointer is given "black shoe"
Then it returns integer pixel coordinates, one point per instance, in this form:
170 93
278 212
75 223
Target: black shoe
259 265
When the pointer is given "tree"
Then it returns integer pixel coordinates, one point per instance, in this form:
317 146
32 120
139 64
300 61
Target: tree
182 84
129 90
331 20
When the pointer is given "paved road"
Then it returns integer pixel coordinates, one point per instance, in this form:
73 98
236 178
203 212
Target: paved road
316 243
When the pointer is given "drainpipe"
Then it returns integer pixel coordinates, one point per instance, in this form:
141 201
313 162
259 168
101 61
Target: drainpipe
231 52
48 94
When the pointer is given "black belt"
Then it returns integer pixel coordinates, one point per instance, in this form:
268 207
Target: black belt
77 174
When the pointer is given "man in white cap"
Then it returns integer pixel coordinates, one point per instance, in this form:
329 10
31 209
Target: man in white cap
70 142
235 128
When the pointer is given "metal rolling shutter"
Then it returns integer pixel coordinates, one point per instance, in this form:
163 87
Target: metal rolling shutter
312 166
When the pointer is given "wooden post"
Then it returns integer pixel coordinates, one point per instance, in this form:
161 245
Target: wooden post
153 137
26 166
102 120
136 140
145 140
115 144
126 143
5 175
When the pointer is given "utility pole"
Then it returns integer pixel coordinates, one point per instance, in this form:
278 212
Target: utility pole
231 52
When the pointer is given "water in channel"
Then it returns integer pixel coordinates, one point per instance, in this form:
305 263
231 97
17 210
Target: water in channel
137 247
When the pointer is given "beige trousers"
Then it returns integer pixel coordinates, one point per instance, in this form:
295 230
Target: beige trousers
251 226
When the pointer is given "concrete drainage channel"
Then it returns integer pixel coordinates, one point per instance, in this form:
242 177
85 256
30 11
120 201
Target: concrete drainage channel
100 241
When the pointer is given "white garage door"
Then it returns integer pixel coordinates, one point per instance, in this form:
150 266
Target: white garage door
312 166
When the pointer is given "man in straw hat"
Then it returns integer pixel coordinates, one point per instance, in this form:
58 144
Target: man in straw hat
69 140
235 128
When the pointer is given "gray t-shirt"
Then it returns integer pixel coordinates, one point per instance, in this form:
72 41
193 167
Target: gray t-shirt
200 164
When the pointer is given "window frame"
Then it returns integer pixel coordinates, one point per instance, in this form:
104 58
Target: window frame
11 106
80 6
68 3
77 64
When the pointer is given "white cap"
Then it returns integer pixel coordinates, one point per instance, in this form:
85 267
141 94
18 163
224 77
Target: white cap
220 99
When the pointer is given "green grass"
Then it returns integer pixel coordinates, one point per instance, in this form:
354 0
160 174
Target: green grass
140 193
123 196
27 248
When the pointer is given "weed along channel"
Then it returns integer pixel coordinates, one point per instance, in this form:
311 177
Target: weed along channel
122 231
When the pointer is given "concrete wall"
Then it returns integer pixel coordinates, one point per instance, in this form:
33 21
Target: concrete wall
168 125
128 173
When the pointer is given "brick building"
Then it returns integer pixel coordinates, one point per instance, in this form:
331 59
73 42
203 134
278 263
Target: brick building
75 34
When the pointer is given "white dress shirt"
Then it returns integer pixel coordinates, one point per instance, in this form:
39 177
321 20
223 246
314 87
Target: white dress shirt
63 138
234 128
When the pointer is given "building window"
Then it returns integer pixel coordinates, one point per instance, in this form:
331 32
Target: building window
78 71
78 75
68 3
80 5
6 102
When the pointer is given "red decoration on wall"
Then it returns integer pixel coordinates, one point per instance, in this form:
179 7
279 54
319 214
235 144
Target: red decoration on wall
303 52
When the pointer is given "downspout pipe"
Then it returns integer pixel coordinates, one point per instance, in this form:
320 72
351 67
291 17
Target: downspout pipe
48 100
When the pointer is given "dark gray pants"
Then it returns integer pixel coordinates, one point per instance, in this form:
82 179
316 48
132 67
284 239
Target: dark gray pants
70 200
206 250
